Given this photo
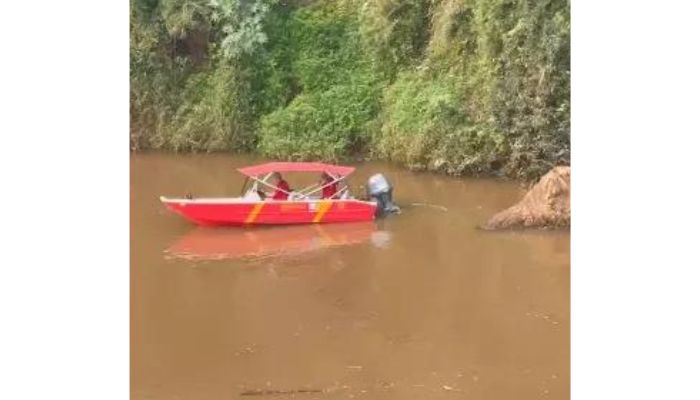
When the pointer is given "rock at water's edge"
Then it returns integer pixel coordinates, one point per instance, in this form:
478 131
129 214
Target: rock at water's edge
546 205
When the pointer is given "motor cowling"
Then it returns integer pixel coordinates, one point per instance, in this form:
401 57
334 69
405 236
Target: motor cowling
380 191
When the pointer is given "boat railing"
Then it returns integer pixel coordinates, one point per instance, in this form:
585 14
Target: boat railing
308 193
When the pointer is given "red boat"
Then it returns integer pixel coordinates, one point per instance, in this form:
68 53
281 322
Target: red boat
304 206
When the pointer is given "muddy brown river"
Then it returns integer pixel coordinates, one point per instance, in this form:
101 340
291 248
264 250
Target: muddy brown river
419 305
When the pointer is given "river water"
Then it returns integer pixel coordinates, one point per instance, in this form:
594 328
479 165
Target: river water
420 305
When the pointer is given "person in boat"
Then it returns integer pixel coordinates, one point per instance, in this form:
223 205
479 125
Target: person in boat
329 189
282 189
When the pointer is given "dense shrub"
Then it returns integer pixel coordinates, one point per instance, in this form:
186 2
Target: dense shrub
217 114
340 92
326 46
507 64
425 127
459 86
201 76
395 32
328 125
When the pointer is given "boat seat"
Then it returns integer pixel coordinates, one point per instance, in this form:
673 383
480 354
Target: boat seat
296 196
251 195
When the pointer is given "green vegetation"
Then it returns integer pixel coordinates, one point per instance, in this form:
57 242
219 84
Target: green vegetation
458 86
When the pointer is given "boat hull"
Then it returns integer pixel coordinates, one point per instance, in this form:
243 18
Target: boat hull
217 212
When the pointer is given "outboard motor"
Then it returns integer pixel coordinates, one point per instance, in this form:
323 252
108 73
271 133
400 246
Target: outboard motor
379 190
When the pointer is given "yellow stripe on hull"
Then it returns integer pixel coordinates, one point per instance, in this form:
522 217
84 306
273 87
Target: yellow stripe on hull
253 215
323 207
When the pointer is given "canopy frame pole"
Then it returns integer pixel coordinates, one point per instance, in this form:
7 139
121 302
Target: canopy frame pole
339 193
306 195
255 178
303 190
337 179
245 183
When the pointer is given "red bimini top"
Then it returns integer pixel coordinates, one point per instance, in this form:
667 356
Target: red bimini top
262 169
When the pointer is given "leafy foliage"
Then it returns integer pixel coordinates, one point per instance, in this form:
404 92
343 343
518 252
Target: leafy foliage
327 125
396 32
425 127
241 23
459 86
340 94
507 62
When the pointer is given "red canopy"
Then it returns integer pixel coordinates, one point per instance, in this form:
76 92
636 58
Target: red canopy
262 169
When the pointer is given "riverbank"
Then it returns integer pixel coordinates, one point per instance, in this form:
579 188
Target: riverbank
454 86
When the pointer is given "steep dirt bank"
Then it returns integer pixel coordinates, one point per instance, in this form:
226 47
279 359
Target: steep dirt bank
546 205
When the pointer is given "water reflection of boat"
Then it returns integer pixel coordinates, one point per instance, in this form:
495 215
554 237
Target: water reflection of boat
219 244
